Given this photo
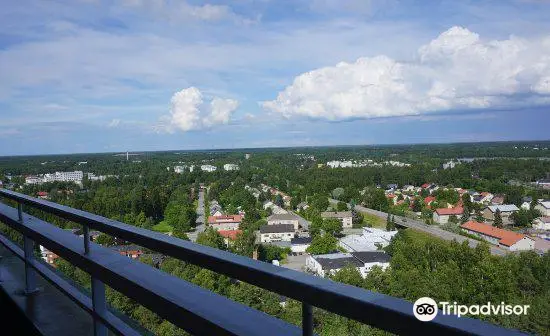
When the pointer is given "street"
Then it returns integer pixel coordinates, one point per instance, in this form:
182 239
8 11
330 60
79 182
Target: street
431 229
201 218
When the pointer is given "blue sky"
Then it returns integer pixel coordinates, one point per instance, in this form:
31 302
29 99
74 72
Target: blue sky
117 75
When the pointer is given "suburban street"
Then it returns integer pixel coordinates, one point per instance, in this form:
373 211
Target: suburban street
431 229
201 218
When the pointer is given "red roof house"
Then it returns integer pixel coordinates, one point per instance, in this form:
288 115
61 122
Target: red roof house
510 240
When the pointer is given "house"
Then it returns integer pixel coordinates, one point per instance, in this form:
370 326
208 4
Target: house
544 207
230 167
542 246
497 200
302 206
526 202
225 222
542 223
47 255
208 168
442 215
325 264
392 186
42 194
372 239
506 239
344 216
229 235
486 197
408 187
276 232
286 218
544 183
505 211
300 244
428 200
131 251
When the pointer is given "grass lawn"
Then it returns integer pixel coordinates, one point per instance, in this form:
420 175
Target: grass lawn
162 227
374 221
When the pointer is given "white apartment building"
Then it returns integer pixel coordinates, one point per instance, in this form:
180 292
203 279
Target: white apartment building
208 168
343 216
276 233
230 166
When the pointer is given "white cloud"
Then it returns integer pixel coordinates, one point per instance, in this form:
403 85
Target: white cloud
114 123
457 70
189 112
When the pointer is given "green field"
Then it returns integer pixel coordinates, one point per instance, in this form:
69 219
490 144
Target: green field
162 227
373 220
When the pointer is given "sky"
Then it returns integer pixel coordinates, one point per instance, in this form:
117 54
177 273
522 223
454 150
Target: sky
142 75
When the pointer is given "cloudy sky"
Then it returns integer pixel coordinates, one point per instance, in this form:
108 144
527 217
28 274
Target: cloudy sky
117 75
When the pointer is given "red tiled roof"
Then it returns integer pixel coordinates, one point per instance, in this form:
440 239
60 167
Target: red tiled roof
451 211
42 193
429 199
505 237
224 219
485 193
230 234
390 196
425 185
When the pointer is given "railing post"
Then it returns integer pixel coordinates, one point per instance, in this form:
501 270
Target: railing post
20 212
86 239
1 269
99 305
307 319
30 274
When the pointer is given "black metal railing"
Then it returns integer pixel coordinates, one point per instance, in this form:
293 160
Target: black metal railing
193 308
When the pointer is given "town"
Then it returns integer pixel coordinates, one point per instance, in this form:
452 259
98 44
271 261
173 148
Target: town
309 211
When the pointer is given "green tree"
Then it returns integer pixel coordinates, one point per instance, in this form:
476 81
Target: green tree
323 244
212 238
341 206
332 226
498 219
417 205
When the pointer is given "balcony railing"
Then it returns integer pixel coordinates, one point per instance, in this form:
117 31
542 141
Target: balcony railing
191 307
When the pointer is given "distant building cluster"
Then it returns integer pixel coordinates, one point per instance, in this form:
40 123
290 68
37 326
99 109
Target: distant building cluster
74 176
230 167
364 163
208 168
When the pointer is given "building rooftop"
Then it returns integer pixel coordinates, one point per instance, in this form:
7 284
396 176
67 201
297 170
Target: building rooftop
372 256
505 237
301 240
282 216
277 228
224 219
336 214
337 261
449 211
503 208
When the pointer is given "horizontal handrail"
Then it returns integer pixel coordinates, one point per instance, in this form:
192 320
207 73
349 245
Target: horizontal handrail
116 325
186 305
378 310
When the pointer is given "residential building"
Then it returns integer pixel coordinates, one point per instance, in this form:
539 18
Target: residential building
230 166
544 183
302 206
429 200
285 218
372 239
131 251
506 239
325 264
339 164
300 244
182 169
225 222
451 164
542 223
47 255
208 168
42 194
497 200
505 211
276 232
247 156
544 207
442 215
343 216
229 235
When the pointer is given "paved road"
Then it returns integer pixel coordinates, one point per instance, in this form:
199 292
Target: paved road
200 218
431 229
